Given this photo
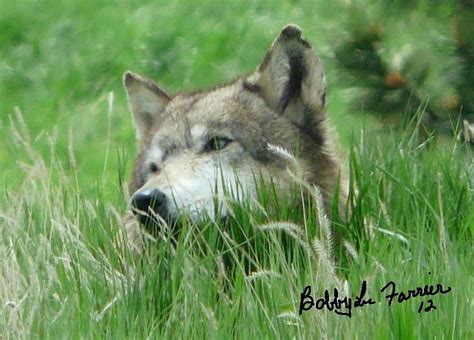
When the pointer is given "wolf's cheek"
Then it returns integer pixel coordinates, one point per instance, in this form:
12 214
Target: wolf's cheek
199 186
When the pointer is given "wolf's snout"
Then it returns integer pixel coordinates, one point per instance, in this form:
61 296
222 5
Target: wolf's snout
152 199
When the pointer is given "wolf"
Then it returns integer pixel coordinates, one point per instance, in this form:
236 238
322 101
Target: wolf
192 144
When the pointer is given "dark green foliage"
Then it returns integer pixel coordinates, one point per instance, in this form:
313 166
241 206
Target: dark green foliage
406 55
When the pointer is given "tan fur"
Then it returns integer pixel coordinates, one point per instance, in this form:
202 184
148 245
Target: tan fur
282 103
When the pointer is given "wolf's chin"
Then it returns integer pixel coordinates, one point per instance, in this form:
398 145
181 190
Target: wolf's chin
154 224
171 220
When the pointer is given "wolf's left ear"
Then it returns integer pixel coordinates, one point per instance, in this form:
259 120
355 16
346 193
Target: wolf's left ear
147 101
291 77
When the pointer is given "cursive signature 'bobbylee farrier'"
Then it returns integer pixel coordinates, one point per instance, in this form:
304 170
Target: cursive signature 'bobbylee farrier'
344 305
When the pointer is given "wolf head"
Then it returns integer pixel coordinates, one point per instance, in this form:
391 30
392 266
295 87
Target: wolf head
194 145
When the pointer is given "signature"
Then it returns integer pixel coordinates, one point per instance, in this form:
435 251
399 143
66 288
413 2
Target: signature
344 305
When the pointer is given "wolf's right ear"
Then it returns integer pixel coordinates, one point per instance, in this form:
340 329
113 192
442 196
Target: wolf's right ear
146 101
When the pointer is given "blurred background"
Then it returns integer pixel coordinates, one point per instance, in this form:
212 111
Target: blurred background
61 64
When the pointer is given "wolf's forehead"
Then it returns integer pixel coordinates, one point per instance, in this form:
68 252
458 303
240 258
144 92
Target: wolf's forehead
216 105
191 118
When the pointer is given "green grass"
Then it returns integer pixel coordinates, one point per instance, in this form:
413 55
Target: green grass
63 269
67 271
60 60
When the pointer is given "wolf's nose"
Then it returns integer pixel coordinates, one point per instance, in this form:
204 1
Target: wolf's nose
154 199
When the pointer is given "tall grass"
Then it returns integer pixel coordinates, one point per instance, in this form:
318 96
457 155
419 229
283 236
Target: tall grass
67 270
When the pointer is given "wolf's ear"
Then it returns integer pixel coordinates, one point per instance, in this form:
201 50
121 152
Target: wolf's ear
146 101
291 77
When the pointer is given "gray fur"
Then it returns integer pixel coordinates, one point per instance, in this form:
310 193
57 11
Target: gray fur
282 103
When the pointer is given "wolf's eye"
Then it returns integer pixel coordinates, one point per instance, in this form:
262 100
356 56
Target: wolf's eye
153 168
217 143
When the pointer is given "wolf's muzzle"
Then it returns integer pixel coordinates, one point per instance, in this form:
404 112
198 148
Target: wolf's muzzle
144 201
